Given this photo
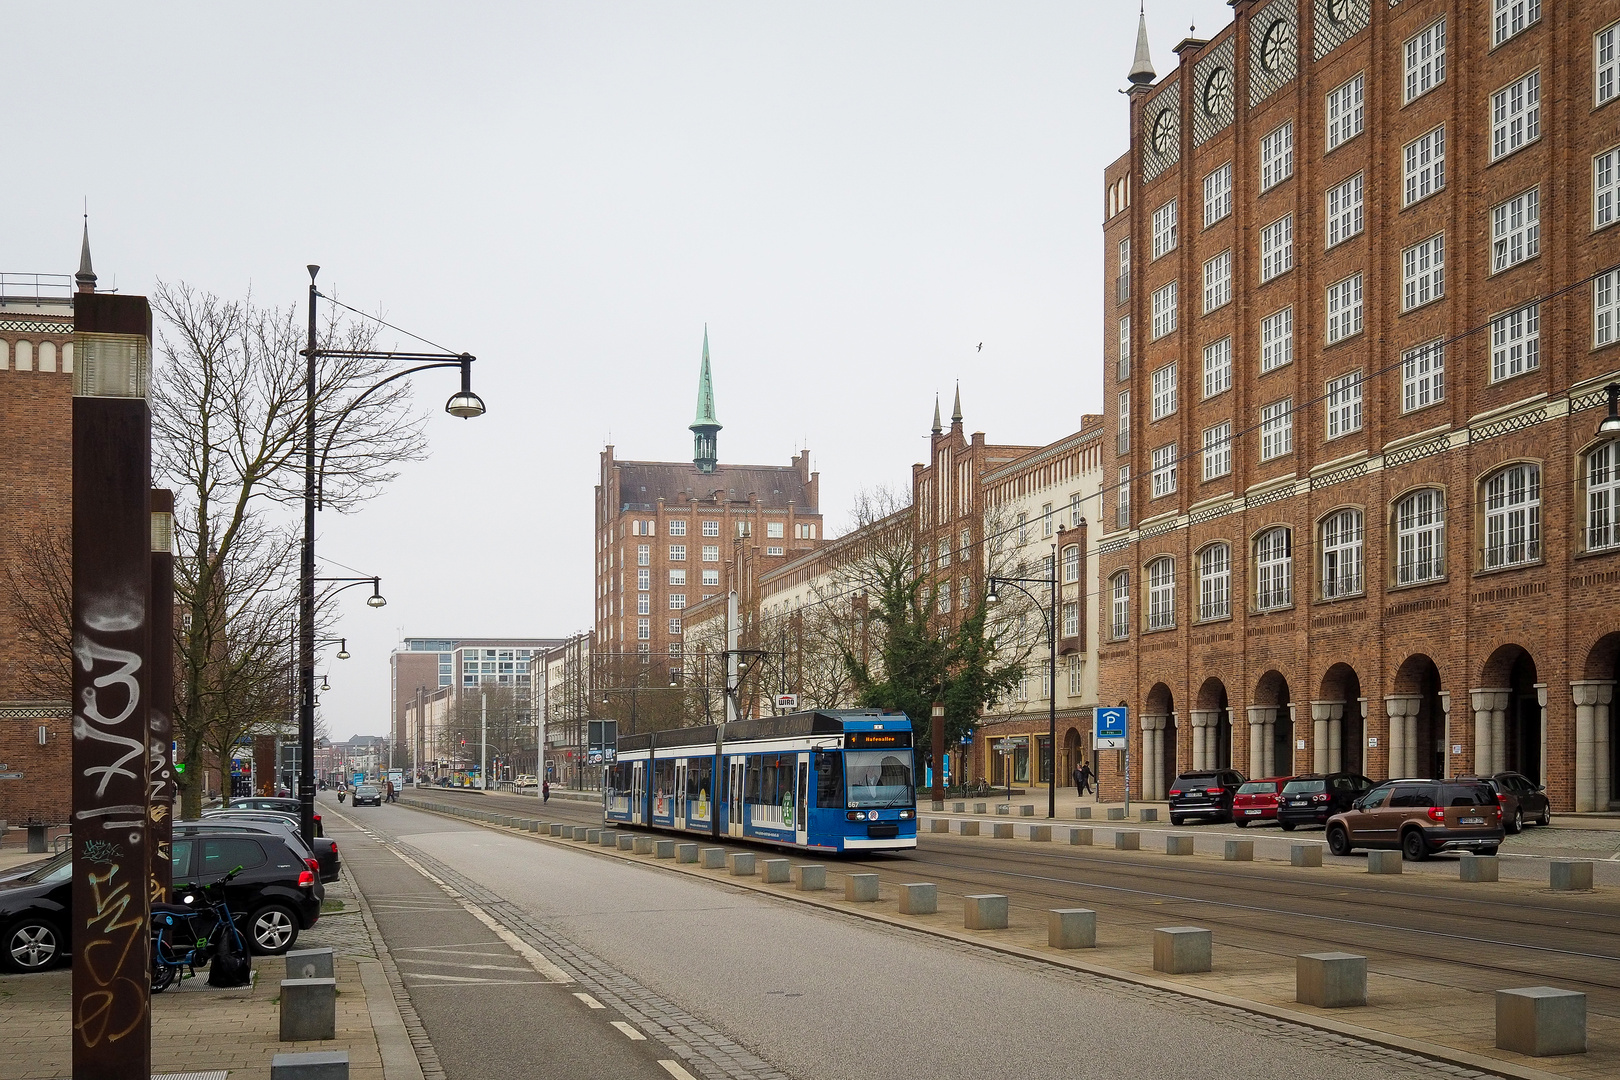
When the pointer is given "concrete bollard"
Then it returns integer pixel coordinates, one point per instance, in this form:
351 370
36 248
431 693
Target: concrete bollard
1080 838
919 898
1004 809
1541 1021
742 863
811 877
958 807
1239 851
534 826
1182 950
714 858
626 842
1478 868
987 911
939 824
686 853
310 964
664 849
1331 980
1026 810
1568 876
1304 855
1082 813
609 838
968 828
1383 862
775 871
581 833
308 1010
1001 830
1116 813
1071 928
644 845
1127 841
979 807
593 836
1040 834
861 888
311 1065
557 828
1178 845
1147 814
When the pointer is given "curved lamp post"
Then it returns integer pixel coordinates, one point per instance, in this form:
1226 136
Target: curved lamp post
1051 652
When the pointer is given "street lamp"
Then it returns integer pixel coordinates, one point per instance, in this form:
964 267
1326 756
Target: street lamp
1610 424
1051 661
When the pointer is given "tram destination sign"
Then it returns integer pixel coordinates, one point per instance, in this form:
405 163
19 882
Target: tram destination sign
876 740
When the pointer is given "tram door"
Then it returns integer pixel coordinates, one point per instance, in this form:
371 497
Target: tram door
678 796
801 817
638 790
734 796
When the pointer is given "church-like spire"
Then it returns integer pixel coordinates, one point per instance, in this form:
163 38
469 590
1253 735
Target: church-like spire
938 427
706 428
956 413
1142 70
86 277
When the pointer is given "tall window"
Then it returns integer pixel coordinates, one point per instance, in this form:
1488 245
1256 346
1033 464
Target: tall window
643 629
1423 376
1048 523
1426 60
1125 347
944 548
1164 470
1344 211
1274 569
1122 499
674 626
1603 498
1071 619
1215 582
1346 112
1276 429
1023 529
1075 502
1217 194
944 596
1516 343
1425 159
1344 405
1516 230
1516 115
643 579
643 554
1075 669
1605 187
1341 554
1277 247
1119 605
1513 16
1606 70
1071 563
1164 391
1161 593
1164 229
1123 438
1218 282
1344 309
1123 280
1217 367
1420 537
1423 272
1513 516
1218 450
1164 311
1276 340
643 604
1277 156
1605 307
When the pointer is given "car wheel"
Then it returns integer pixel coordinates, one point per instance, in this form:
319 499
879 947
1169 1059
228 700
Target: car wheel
272 929
1241 823
32 944
1287 826
1177 820
1338 841
1517 824
1414 848
1545 818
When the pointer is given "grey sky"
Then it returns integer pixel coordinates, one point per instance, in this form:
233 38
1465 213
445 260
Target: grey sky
851 195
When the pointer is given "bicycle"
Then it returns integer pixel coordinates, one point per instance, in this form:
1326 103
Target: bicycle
200 925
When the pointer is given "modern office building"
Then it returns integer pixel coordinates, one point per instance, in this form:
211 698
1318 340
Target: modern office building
459 663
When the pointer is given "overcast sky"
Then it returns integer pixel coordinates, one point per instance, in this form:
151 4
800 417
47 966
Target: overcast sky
852 195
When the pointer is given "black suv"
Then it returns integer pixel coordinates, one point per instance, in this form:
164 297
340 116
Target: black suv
1313 798
275 896
1204 794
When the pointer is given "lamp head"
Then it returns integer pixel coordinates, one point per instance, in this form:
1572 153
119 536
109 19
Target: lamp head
324 684
1610 425
990 597
376 597
465 404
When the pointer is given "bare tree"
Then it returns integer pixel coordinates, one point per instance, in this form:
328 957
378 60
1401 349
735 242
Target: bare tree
39 587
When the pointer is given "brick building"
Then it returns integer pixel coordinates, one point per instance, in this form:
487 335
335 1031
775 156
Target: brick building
1360 314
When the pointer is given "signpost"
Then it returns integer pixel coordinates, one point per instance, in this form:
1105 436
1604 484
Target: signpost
1114 733
1005 748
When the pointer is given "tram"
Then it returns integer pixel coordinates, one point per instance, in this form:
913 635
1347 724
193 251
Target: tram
820 781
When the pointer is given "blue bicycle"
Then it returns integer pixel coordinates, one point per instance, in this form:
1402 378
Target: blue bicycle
189 934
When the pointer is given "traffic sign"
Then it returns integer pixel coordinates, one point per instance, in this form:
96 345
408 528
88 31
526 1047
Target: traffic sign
1006 746
1113 728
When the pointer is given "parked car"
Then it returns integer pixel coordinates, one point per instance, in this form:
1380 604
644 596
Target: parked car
277 803
368 795
1256 801
1310 799
323 850
35 914
1204 794
1522 800
1421 817
273 899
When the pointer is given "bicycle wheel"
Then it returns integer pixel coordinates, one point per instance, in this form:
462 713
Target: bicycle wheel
162 976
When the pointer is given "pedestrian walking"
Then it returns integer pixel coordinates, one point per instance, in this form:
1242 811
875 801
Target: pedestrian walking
1079 780
1086 777
545 791
390 790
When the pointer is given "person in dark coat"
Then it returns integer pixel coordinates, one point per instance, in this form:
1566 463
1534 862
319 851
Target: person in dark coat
545 791
1083 777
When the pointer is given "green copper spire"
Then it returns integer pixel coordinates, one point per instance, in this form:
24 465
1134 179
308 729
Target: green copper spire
706 428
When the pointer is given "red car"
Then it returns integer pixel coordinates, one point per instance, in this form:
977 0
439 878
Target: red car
1256 800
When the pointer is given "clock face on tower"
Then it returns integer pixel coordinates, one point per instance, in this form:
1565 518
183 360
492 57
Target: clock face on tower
1277 47
1218 92
1164 133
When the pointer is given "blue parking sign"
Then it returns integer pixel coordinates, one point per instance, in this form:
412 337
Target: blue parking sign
1113 728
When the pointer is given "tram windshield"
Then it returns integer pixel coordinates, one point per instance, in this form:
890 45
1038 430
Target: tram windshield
879 779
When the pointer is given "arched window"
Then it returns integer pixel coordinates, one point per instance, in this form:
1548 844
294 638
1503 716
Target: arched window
1420 537
1071 564
1513 516
1161 593
1342 554
25 356
47 356
1603 497
1215 582
1274 569
1120 604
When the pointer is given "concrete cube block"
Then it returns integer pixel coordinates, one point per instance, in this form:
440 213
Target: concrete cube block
644 845
609 838
1330 980
582 834
1127 841
811 877
1239 851
968 828
1116 813
626 842
1080 837
1478 868
742 863
664 849
1570 876
1040 834
714 858
939 824
1001 830
919 898
775 871
556 828
1178 845
311 1065
310 964
1383 862
1304 855
958 807
1149 813
1181 950
1071 928
861 888
1541 1021
987 911
308 1010
1004 809
534 826
593 836
1026 810
979 807
1082 813
686 853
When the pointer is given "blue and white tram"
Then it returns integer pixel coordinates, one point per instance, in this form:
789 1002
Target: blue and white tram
822 781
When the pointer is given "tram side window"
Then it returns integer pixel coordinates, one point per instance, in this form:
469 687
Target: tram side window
751 781
830 780
664 777
697 777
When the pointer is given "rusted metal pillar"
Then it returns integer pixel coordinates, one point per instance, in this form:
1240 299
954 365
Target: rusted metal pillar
160 710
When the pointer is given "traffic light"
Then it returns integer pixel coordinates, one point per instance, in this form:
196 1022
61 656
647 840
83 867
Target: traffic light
179 768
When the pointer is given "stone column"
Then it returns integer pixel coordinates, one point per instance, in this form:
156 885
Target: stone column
1402 710
1490 729
1327 732
1541 709
1592 700
1260 721
1602 781
1153 757
1447 766
1203 737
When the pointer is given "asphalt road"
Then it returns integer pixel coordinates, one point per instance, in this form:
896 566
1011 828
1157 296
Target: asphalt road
816 994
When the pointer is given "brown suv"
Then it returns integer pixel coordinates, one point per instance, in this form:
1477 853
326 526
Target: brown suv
1420 817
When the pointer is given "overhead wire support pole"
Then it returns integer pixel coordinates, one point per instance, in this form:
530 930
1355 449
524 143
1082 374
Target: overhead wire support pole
1051 580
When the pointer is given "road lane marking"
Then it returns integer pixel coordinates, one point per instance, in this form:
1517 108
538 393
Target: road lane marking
592 1002
674 1069
629 1032
469 967
468 978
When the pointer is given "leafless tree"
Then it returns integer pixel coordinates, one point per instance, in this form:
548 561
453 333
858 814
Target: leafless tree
39 587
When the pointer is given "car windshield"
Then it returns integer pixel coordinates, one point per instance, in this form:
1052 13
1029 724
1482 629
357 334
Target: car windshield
879 779
1304 787
1258 787
59 868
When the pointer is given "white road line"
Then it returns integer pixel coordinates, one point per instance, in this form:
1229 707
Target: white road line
467 978
629 1032
468 967
674 1069
592 1002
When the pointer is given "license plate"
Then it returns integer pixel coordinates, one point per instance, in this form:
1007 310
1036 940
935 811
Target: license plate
1253 811
1471 821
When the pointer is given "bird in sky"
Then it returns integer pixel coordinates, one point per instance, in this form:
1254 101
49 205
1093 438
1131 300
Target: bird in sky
979 347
